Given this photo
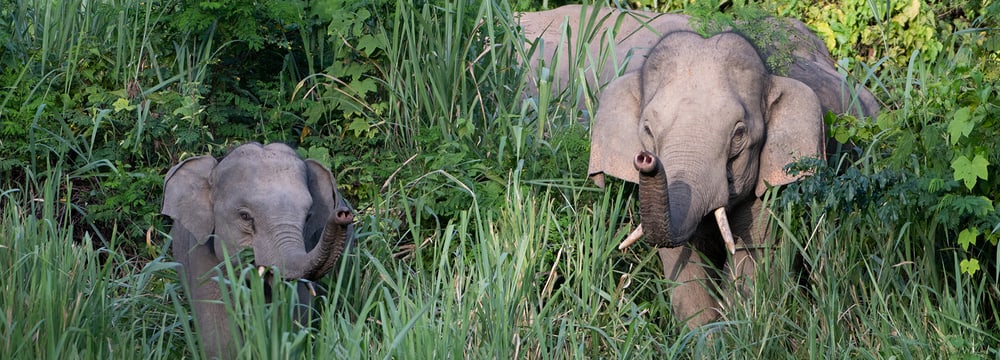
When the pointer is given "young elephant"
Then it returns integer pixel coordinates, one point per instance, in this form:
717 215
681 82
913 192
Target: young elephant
261 197
704 128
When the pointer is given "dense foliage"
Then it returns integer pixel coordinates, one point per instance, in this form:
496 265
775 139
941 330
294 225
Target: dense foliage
479 232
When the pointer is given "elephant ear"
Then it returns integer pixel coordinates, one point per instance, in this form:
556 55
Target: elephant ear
614 139
322 187
794 130
187 196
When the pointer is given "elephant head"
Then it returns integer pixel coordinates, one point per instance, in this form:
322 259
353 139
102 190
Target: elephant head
702 126
559 34
258 197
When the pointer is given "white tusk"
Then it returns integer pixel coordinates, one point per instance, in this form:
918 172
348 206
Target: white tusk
727 234
631 238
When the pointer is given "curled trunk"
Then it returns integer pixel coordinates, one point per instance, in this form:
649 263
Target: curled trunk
337 234
654 200
297 263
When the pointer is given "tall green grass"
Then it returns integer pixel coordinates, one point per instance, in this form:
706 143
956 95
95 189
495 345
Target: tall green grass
536 275
67 297
486 285
541 279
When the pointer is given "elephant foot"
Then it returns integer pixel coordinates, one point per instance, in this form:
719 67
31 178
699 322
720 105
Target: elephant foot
692 299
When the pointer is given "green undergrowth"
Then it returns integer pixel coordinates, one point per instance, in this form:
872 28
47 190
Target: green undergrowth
67 297
478 234
537 277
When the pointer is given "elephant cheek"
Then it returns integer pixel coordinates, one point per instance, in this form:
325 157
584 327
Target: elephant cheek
282 249
743 174
230 246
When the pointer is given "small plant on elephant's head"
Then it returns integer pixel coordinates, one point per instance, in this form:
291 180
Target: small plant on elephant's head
768 34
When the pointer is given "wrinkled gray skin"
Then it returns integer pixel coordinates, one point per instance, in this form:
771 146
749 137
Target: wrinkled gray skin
261 197
701 124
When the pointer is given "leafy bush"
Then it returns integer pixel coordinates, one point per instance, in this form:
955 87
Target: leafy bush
861 28
944 136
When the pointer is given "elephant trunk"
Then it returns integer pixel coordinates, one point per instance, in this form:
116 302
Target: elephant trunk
295 262
654 200
654 207
337 234
291 258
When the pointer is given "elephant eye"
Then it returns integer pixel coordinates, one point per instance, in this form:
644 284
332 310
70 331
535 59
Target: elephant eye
739 139
245 216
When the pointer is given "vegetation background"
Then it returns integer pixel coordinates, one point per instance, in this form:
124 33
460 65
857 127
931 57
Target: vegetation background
479 234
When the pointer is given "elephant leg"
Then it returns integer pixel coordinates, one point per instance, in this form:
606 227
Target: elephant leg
692 299
209 312
213 324
305 310
741 270
753 247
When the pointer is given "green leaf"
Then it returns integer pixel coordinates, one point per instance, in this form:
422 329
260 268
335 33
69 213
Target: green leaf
842 134
969 266
935 184
369 44
360 126
364 87
210 5
908 13
961 125
970 170
972 205
122 104
320 154
968 237
361 15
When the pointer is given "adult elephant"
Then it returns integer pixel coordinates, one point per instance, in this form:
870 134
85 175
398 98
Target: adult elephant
261 197
570 42
704 127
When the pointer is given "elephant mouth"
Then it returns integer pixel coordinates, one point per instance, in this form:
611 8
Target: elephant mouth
312 288
721 218
655 208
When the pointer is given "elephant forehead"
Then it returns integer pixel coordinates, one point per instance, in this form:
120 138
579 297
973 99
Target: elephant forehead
273 159
728 49
256 150
687 57
260 170
263 175
689 112
294 199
